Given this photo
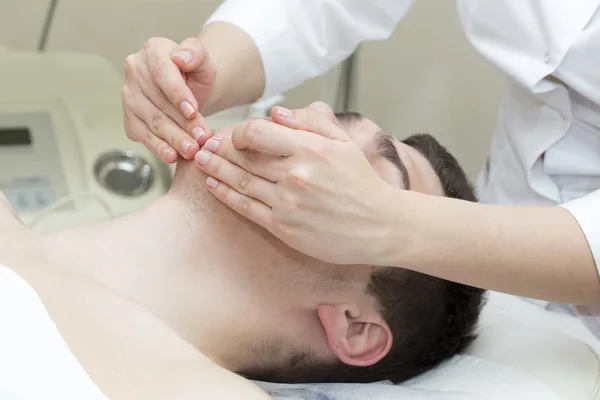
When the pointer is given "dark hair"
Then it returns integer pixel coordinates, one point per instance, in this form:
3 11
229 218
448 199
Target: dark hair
454 181
431 319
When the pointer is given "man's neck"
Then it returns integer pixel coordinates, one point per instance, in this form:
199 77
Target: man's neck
173 259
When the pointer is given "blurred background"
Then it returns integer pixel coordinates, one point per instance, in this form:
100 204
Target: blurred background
66 159
426 78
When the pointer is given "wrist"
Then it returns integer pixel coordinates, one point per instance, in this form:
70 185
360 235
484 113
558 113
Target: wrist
240 77
397 233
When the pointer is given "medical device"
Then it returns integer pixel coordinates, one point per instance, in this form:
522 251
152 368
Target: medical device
62 142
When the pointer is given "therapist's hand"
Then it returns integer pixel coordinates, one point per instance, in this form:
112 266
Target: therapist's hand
316 192
166 85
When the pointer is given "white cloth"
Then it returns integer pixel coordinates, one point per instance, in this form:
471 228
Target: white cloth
35 362
546 149
461 378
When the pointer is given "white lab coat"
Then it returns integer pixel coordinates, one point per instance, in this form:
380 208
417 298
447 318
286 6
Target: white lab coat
546 148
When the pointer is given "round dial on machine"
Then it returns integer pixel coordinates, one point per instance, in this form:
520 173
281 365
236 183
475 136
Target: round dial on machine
124 173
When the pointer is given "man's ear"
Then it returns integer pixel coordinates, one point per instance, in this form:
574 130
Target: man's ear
357 337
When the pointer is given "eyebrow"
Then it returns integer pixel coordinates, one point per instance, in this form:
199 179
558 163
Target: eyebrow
387 149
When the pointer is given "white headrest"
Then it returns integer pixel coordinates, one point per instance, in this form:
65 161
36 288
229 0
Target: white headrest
566 365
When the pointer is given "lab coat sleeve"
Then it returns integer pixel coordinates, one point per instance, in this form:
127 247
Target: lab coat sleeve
301 39
586 211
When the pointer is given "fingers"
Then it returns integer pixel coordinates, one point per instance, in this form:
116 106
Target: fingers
143 135
240 180
317 118
162 126
244 181
143 99
200 72
248 207
266 165
260 134
190 55
245 193
167 76
197 127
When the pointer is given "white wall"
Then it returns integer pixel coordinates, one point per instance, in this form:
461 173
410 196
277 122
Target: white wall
426 78
21 22
120 27
112 28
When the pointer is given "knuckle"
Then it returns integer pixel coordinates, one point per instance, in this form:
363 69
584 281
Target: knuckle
128 129
191 41
161 99
249 160
157 120
253 130
284 226
319 105
317 148
244 180
148 141
211 73
290 204
224 149
214 166
313 118
243 204
200 49
125 94
160 69
150 43
223 191
299 176
173 93
130 62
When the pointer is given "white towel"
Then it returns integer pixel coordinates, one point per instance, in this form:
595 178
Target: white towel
461 378
35 361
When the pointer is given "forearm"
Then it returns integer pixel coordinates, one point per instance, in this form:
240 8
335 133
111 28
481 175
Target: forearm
280 44
537 252
240 74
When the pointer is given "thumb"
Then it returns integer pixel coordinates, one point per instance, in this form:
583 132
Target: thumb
314 118
191 56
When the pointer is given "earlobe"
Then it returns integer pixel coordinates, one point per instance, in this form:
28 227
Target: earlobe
357 337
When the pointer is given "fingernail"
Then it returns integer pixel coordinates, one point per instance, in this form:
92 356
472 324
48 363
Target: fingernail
197 133
284 112
186 56
212 182
168 153
187 109
212 145
185 145
202 157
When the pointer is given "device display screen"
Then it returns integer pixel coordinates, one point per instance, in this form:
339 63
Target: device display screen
15 137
